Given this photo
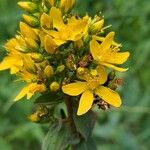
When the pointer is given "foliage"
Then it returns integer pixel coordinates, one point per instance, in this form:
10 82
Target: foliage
125 128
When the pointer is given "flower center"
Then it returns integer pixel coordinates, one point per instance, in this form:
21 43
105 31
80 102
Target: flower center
93 83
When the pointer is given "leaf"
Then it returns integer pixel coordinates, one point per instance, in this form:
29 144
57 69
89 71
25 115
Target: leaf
85 124
56 138
4 145
86 145
49 98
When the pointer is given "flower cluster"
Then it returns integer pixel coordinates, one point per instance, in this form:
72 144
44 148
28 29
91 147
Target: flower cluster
58 52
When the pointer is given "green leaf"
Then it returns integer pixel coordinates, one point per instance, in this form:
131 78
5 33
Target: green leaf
4 145
86 145
49 98
85 124
57 137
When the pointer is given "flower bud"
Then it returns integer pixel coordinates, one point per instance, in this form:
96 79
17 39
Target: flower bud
54 86
78 44
66 5
22 49
37 57
30 20
80 71
98 25
32 44
60 68
48 71
28 6
28 32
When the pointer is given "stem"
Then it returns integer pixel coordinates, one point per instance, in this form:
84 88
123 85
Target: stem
69 105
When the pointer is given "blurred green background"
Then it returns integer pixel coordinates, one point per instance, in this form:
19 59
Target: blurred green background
127 128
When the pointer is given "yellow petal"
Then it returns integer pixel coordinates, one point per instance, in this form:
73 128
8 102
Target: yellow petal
49 44
94 48
108 41
108 95
22 93
56 15
85 103
11 62
45 21
102 74
117 58
74 89
27 31
14 70
114 67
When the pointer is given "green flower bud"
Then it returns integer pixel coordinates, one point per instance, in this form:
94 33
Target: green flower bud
28 6
60 68
37 57
30 20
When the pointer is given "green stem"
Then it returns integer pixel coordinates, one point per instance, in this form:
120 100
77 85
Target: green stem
73 130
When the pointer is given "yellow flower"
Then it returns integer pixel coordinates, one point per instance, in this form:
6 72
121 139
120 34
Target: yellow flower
93 85
72 31
108 55
30 90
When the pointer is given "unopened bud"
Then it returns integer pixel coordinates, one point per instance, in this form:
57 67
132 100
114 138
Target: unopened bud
28 32
54 86
32 44
60 68
80 71
30 20
28 6
66 5
78 44
98 25
37 57
22 49
48 71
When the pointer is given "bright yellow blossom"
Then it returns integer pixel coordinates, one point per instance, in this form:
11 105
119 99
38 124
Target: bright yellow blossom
107 55
72 31
93 85
30 90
